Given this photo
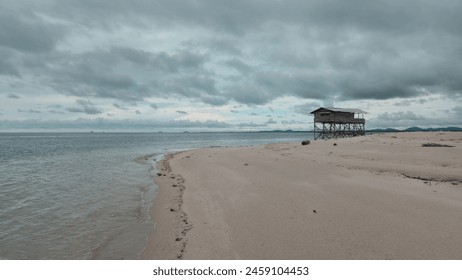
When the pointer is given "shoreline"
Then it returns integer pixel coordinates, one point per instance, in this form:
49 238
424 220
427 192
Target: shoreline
373 197
170 221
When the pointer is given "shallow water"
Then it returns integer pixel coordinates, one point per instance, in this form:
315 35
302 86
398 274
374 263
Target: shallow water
87 195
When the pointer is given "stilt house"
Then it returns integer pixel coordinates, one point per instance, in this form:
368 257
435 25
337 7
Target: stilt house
338 122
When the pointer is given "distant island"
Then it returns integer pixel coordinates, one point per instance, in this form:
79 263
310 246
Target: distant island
410 129
415 129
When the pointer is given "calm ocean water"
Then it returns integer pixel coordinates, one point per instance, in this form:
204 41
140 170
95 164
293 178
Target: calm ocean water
87 195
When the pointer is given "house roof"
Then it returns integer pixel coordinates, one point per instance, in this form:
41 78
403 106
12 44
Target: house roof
344 110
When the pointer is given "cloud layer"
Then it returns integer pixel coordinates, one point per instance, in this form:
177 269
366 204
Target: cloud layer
223 53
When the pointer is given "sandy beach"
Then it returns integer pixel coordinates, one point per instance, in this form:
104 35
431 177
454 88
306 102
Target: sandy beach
388 196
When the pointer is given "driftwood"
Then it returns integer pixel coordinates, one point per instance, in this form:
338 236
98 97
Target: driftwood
435 145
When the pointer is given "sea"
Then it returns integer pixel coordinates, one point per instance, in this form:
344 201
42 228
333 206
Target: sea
87 195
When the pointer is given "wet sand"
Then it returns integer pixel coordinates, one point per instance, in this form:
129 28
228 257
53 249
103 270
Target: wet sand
389 196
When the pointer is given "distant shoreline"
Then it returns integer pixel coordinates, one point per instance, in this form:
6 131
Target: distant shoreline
102 131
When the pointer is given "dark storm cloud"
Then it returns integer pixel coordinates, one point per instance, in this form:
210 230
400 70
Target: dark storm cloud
119 106
25 31
248 51
7 67
84 106
192 85
160 61
240 15
32 111
13 96
210 98
249 94
229 16
239 65
129 74
91 74
270 121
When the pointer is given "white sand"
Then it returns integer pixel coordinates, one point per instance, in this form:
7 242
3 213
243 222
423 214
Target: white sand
372 197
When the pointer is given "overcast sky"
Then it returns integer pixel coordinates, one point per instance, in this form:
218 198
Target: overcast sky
207 65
